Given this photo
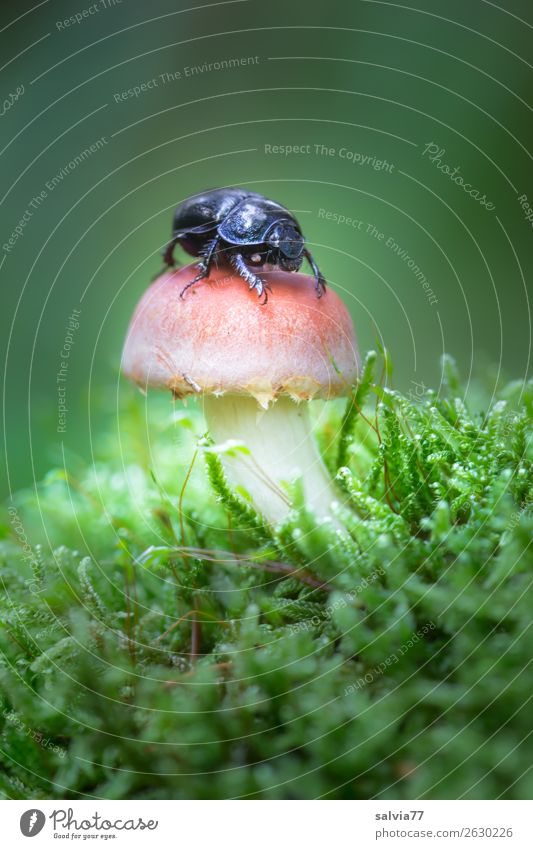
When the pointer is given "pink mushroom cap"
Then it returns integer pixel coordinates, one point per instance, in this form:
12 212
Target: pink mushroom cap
219 339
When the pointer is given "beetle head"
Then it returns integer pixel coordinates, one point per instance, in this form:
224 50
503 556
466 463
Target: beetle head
286 245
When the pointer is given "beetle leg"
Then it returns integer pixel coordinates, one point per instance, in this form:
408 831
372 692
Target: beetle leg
208 252
320 281
253 281
168 258
168 253
204 265
203 272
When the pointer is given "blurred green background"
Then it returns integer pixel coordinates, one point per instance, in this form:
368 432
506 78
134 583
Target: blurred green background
353 84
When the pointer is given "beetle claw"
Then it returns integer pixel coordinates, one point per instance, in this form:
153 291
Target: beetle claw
320 287
203 271
262 292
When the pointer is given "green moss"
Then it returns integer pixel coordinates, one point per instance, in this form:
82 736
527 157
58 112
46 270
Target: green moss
391 662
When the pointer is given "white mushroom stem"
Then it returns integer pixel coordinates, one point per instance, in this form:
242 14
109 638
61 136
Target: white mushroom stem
282 449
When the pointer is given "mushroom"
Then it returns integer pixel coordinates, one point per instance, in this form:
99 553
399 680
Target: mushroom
255 368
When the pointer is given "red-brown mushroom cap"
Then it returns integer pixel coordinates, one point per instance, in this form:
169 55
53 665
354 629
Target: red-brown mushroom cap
219 338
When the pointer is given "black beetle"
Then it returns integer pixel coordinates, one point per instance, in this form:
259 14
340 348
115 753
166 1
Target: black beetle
243 228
